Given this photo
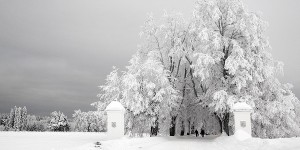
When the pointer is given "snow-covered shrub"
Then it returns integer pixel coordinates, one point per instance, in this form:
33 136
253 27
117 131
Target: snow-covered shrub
2 128
37 123
58 122
92 121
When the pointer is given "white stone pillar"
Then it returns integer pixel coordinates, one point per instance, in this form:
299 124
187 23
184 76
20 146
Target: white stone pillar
115 120
242 117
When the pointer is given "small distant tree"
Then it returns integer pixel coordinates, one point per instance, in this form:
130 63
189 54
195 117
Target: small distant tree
36 123
11 118
4 121
59 122
23 118
17 119
92 121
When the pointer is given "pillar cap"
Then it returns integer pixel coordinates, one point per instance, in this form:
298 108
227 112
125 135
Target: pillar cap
115 106
241 106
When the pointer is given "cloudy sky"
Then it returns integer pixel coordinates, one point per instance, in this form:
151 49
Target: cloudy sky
54 54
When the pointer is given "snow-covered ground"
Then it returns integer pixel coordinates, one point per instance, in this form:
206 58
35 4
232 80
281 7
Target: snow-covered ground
47 140
85 141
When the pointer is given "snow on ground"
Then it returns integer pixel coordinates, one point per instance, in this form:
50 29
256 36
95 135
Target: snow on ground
85 141
47 140
208 143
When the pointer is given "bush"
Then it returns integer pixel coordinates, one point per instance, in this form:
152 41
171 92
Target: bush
2 128
36 126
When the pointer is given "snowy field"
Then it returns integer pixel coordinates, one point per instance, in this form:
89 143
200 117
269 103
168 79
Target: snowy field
85 141
47 140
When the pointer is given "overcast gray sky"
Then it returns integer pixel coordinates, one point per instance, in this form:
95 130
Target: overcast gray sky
54 53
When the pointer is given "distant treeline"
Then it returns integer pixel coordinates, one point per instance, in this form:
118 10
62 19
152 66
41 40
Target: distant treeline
19 120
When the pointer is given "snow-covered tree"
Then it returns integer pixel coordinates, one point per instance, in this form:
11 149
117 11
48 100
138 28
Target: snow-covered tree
148 96
59 122
238 67
143 91
92 121
17 119
276 111
11 118
188 74
23 118
111 91
4 121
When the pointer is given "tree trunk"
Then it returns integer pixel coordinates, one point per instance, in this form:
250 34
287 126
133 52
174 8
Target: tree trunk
173 126
189 126
154 129
220 122
182 129
226 123
89 124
